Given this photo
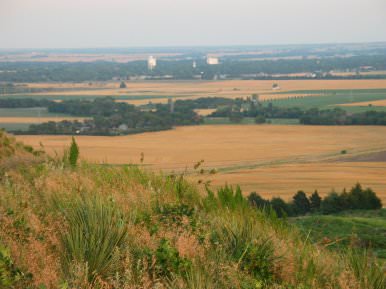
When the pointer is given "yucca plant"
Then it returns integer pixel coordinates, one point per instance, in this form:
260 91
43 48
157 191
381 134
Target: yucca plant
95 234
239 237
365 268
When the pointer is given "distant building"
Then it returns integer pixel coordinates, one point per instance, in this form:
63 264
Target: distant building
212 60
151 62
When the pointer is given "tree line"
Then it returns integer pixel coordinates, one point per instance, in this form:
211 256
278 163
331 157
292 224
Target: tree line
108 117
301 204
183 69
23 102
241 108
338 116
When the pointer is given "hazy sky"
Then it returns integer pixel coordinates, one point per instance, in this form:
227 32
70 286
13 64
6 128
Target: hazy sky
126 23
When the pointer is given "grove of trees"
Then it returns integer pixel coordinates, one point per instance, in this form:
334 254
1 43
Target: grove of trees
357 198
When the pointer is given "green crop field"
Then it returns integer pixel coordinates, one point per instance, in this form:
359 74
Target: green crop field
14 126
249 120
324 101
28 112
329 98
90 97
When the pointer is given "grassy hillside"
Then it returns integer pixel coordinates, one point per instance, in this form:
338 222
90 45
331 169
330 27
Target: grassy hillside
357 228
92 226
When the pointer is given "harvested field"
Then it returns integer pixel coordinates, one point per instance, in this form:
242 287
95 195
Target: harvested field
381 102
205 112
285 180
263 158
144 101
196 89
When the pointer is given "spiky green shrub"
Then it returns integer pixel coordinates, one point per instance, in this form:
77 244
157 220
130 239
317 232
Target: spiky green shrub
258 258
367 271
226 197
95 234
237 237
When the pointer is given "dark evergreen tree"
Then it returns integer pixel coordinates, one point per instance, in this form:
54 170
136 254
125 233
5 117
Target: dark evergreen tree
257 201
356 198
281 208
372 202
315 201
301 203
331 204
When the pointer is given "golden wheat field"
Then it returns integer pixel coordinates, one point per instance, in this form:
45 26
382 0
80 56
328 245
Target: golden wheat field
196 89
205 111
270 159
381 102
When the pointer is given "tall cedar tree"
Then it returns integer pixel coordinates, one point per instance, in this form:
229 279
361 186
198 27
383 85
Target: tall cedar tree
315 201
301 203
74 153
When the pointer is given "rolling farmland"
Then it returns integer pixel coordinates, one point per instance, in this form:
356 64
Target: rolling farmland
275 159
158 91
21 118
272 160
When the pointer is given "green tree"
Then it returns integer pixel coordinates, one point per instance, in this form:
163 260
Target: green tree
281 208
301 203
236 116
74 153
355 197
257 201
372 202
332 204
260 119
315 201
122 85
361 199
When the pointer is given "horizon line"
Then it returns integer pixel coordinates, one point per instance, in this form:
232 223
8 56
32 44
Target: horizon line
193 46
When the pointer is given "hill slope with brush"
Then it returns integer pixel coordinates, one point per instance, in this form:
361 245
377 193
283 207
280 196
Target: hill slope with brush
82 225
